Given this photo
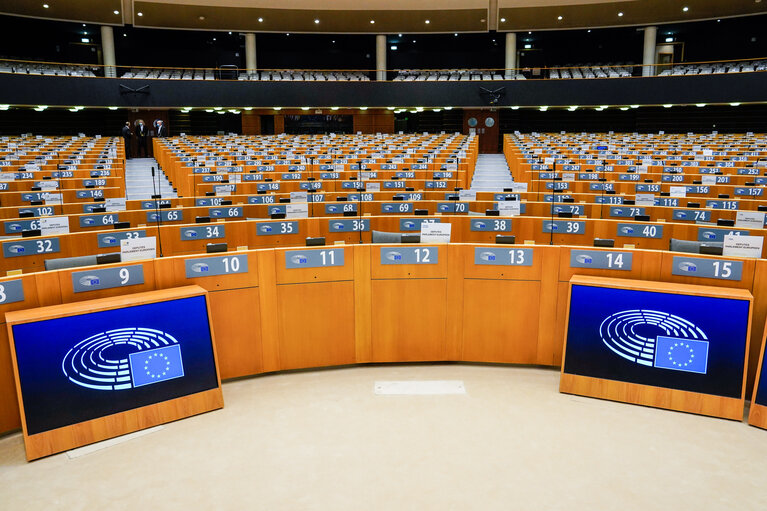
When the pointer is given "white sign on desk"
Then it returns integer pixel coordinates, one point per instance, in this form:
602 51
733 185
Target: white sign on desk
677 191
708 180
568 176
136 249
467 195
742 246
297 210
509 208
435 233
749 220
299 196
53 199
644 199
115 204
51 225
518 187
372 187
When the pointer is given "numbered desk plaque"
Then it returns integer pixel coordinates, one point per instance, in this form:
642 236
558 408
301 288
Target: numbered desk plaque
491 225
602 260
106 278
20 248
317 258
661 344
218 265
409 255
707 268
564 226
200 232
503 256
272 228
349 225
93 370
11 291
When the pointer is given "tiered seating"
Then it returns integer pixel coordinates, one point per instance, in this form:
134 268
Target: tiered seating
34 68
451 75
273 75
591 71
716 68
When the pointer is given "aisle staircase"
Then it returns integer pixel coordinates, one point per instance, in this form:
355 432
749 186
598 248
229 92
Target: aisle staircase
138 180
491 174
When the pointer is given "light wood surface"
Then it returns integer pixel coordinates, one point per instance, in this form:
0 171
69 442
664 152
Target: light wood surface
68 437
454 310
757 415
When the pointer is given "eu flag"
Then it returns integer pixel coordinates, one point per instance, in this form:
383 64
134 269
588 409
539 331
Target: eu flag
159 364
689 355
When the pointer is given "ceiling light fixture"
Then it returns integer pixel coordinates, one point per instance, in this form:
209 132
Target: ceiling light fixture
139 13
620 14
260 20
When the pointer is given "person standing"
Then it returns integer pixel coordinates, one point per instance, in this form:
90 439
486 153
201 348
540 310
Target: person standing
142 133
126 134
161 131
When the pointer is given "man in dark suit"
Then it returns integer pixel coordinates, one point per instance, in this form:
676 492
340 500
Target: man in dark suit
142 133
126 134
161 131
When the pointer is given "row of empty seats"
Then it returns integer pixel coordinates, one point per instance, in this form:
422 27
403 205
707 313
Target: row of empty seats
34 68
305 76
592 71
718 68
452 75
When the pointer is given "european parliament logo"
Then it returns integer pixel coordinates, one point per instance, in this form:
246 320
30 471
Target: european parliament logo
656 339
100 362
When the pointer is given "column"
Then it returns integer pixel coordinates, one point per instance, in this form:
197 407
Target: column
108 50
250 52
511 54
380 57
648 60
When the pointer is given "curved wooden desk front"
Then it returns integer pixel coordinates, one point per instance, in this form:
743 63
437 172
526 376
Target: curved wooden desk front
269 317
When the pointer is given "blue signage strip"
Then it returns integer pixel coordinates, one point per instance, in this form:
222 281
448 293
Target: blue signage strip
707 268
503 256
112 239
599 259
409 255
271 228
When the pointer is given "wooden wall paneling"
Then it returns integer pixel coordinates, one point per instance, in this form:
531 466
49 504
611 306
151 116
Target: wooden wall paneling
270 331
316 324
251 123
363 306
757 415
409 320
455 303
549 345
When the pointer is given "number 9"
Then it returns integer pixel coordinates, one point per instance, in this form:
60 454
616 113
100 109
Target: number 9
124 276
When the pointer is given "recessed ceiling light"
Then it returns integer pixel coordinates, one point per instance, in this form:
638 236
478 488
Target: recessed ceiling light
559 18
734 104
334 108
448 108
589 31
529 33
669 39
125 35
217 108
400 35
685 9
278 108
390 108
624 108
334 41
413 40
700 105
45 6
209 110
372 21
363 108
260 20
316 22
201 18
456 34
427 22
83 24
620 14
113 108
515 108
667 105
634 106
304 108
116 12
214 38
503 20
528 46
139 13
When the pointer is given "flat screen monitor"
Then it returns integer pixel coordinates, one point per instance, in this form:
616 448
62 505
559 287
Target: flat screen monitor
93 363
661 336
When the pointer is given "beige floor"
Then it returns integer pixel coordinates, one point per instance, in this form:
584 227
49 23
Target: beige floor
323 440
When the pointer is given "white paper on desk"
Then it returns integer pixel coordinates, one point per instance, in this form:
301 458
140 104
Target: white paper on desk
742 246
749 220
